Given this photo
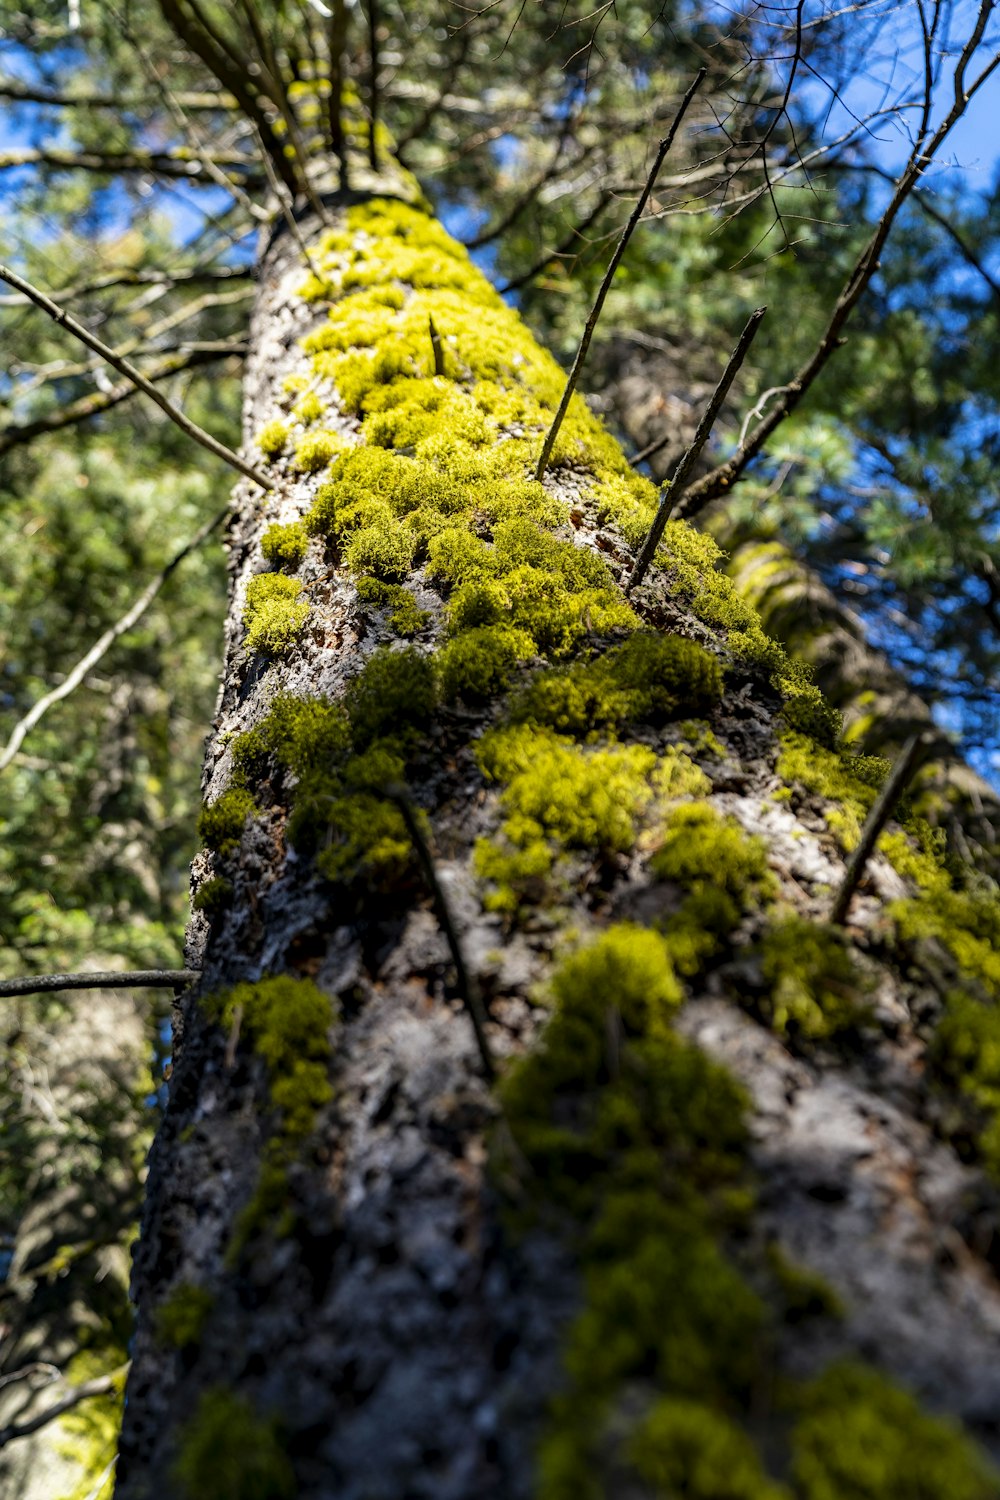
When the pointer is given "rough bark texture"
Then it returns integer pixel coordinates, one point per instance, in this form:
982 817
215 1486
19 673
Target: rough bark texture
395 1325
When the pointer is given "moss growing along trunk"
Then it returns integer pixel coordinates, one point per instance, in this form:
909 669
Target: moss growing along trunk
650 1258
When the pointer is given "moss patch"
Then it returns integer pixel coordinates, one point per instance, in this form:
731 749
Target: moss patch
862 1438
273 614
229 1448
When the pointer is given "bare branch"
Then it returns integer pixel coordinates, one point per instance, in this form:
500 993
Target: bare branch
613 264
126 368
99 1386
467 987
876 820
19 92
15 435
144 277
722 478
104 642
177 163
672 493
110 979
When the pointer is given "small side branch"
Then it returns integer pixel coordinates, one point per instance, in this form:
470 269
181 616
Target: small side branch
468 989
16 434
682 473
104 642
896 782
613 264
110 979
125 367
99 1386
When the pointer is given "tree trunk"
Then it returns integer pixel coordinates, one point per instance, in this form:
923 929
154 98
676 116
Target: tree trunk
364 1272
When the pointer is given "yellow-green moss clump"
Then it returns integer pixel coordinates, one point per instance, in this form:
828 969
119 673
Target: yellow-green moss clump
221 823
444 474
861 1438
285 546
273 614
724 872
287 1022
814 988
230 1448
851 782
640 1137
272 439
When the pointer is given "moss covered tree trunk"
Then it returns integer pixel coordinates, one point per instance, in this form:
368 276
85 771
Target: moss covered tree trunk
718 1161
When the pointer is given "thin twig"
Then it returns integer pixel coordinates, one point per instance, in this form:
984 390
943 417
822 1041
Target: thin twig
39 1367
721 480
100 979
125 367
373 100
682 473
876 820
437 347
104 642
16 434
99 1386
467 987
595 312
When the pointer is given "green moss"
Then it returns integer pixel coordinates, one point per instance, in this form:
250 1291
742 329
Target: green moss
649 678
272 439
700 847
478 664
723 870
180 1317
557 796
639 1136
966 922
406 618
212 895
686 1448
815 990
221 823
230 1448
862 1438
812 716
317 450
285 546
309 408
965 1055
849 781
273 614
394 695
385 550
287 1021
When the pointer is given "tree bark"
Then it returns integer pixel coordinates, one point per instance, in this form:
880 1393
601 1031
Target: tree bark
393 1316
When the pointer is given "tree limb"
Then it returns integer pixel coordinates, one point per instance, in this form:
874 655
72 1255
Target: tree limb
124 367
177 163
99 1386
104 642
613 264
722 478
15 435
110 979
